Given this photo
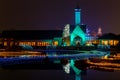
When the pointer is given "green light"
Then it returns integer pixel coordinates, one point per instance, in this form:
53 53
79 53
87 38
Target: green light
77 32
57 61
77 17
77 71
77 77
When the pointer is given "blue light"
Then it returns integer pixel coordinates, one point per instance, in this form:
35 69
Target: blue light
77 17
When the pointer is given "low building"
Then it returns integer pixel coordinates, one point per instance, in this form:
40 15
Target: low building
107 39
71 35
32 37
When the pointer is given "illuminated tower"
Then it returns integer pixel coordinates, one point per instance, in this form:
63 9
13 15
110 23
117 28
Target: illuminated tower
77 16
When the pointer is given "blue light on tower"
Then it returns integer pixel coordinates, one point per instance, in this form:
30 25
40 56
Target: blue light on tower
77 16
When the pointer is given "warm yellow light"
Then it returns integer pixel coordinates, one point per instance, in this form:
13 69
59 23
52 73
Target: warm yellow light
34 43
55 43
111 42
5 43
105 42
11 43
115 42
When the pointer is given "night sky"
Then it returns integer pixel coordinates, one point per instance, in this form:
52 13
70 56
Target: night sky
54 14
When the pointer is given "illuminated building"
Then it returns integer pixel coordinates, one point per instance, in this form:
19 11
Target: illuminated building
107 39
71 35
34 38
76 32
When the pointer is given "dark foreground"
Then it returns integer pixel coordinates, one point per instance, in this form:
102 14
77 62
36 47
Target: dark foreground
55 75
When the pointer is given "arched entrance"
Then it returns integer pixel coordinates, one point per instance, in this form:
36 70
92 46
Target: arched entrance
77 41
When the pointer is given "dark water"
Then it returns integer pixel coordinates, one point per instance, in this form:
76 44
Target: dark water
56 75
32 74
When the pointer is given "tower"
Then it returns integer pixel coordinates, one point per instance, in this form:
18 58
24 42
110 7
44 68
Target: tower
99 31
77 15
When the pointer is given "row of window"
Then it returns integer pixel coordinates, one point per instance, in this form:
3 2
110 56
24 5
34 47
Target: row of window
106 42
55 43
35 43
28 43
110 42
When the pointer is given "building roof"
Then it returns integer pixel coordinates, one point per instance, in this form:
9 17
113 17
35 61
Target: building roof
31 34
72 27
83 27
109 36
77 6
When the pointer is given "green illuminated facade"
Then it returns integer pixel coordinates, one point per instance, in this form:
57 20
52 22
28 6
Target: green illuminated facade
77 37
71 35
77 32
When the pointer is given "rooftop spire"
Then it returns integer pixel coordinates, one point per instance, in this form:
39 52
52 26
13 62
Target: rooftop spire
99 31
77 15
77 6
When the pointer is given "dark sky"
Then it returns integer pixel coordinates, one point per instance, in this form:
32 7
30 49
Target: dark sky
54 14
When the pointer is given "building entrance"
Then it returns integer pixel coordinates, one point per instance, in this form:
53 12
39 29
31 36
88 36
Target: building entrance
77 41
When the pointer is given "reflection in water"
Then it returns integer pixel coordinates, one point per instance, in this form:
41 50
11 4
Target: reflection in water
67 68
94 66
34 75
77 77
75 69
55 75
59 74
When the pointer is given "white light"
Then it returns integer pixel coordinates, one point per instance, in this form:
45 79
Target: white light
67 68
66 31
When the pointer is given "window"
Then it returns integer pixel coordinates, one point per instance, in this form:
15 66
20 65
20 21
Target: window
5 43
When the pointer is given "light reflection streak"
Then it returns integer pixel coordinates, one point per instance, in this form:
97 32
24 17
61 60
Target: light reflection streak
104 64
105 68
